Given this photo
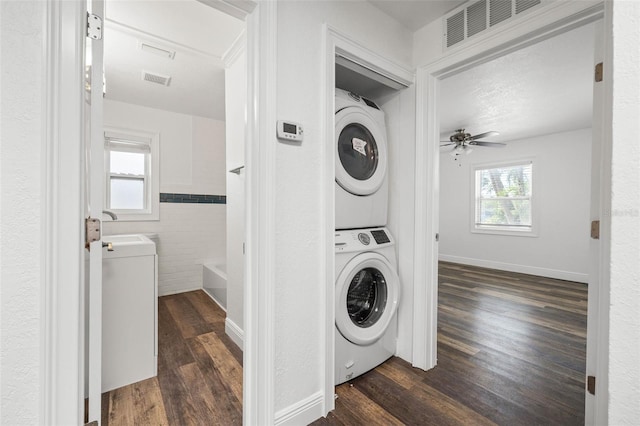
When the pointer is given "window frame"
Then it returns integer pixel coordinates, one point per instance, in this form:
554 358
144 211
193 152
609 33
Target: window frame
522 231
151 178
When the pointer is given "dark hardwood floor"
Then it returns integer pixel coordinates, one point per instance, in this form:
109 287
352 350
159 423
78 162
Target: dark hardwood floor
511 351
199 378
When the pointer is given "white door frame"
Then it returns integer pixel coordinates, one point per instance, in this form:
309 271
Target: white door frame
550 19
63 233
259 269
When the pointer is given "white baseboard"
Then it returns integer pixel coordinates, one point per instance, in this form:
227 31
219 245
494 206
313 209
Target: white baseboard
302 412
235 333
165 292
523 269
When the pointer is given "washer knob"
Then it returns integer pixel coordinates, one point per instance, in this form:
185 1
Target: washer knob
364 238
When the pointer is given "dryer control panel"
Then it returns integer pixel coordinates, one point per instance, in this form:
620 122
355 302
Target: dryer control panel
358 239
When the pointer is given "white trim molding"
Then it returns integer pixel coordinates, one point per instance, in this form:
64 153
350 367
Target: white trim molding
260 154
237 48
328 223
302 412
235 333
557 274
63 264
550 19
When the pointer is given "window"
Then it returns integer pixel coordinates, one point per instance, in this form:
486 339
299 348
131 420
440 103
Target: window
503 198
132 184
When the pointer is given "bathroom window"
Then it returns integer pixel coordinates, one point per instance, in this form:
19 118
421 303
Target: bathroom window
503 198
131 167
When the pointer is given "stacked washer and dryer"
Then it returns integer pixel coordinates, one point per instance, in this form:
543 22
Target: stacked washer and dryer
367 284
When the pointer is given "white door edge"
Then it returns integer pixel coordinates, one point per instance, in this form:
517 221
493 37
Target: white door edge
62 331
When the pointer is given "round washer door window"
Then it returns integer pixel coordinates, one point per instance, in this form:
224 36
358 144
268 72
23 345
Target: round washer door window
361 152
367 294
367 297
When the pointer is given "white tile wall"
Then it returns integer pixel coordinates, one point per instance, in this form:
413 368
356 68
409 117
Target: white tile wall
192 161
189 235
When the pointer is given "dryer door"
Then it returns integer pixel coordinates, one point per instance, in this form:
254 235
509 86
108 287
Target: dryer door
367 294
361 152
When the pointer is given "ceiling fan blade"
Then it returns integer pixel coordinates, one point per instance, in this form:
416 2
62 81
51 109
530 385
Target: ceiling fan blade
446 143
491 144
484 135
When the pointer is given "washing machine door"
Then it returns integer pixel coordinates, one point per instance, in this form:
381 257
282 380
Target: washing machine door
367 294
361 151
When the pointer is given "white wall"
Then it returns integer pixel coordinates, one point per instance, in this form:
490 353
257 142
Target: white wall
400 114
299 205
624 320
561 187
192 161
21 204
235 115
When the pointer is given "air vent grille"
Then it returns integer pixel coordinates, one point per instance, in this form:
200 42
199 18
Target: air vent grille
478 16
522 5
164 80
455 28
146 47
499 10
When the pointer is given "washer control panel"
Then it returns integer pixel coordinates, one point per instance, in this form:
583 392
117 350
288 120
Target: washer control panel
362 239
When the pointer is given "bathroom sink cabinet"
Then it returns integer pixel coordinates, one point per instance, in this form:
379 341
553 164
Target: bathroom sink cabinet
129 312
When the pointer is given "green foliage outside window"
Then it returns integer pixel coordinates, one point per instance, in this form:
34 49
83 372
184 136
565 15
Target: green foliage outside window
503 196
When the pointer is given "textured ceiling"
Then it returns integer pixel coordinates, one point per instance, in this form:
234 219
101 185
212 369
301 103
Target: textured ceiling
199 35
541 89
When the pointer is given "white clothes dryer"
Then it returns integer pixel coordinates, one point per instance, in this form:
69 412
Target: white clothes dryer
361 162
367 297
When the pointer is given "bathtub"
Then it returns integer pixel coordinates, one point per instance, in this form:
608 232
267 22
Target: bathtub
214 282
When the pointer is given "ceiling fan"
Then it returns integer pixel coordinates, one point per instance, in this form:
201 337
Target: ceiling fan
462 141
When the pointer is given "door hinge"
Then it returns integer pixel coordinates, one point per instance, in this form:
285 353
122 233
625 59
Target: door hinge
94 26
591 384
595 229
92 231
599 72
437 237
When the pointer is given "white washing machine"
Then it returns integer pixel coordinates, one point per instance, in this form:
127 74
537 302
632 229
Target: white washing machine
367 297
361 162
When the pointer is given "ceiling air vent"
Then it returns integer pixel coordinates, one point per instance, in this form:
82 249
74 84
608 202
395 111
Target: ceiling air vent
165 53
522 5
455 28
478 16
499 10
156 78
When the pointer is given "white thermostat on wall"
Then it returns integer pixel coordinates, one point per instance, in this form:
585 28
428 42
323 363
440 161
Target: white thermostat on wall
289 131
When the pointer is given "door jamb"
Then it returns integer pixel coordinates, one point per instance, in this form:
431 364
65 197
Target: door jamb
62 331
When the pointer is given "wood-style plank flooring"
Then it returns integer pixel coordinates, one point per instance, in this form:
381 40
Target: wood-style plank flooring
511 351
199 378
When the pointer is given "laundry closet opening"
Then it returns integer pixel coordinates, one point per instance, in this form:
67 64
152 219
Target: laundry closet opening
372 141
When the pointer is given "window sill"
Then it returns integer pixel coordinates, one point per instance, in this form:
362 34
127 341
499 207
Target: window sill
504 231
129 217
